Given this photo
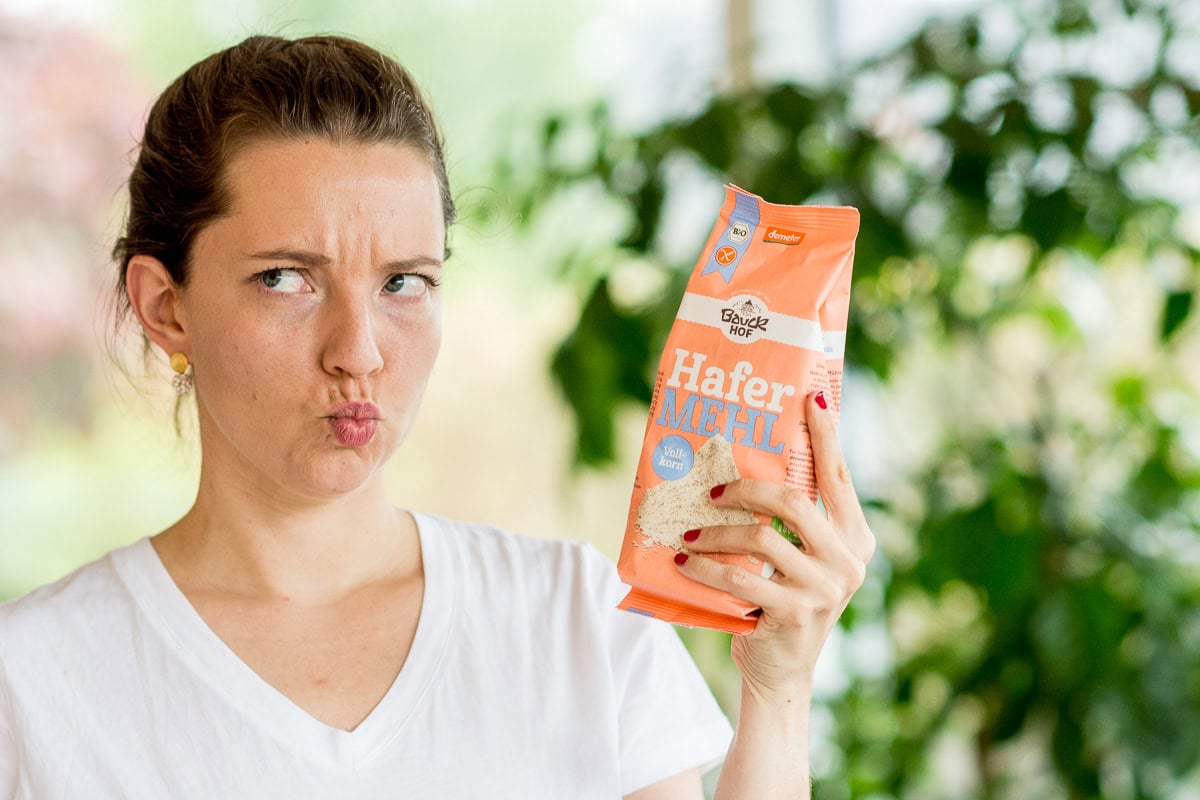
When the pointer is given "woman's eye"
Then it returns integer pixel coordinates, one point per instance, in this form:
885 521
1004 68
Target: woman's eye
406 285
282 280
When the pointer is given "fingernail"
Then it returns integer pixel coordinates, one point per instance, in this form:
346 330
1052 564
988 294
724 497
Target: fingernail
820 401
692 535
681 558
716 491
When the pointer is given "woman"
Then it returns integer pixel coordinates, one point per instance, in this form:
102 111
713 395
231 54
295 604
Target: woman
294 634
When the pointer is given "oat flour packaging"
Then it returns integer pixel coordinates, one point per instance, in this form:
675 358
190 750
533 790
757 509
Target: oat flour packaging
761 325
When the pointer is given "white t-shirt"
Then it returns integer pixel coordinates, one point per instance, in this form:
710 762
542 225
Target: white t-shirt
523 681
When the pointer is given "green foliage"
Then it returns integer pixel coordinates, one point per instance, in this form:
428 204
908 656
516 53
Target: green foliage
1175 312
1020 233
600 365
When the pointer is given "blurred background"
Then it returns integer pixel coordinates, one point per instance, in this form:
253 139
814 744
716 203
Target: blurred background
1022 406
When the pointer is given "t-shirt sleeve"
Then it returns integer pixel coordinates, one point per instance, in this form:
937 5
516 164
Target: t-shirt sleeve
8 746
669 720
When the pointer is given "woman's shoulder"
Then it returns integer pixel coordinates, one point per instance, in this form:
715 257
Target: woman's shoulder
485 538
560 566
76 600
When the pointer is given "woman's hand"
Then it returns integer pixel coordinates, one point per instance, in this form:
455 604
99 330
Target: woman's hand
811 586
800 602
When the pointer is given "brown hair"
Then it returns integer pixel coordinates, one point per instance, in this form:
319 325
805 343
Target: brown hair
264 87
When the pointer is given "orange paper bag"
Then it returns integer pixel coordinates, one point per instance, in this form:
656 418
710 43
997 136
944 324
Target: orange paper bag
762 324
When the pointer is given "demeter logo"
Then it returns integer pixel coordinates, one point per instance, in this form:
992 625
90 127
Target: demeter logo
781 236
744 319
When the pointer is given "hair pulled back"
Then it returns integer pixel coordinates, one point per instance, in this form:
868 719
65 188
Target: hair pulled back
265 87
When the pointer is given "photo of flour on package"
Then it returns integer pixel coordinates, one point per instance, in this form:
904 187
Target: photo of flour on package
672 507
761 325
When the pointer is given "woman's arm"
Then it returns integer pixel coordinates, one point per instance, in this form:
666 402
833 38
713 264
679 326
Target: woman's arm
801 603
769 754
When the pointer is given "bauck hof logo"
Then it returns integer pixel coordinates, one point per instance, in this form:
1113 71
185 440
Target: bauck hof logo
744 319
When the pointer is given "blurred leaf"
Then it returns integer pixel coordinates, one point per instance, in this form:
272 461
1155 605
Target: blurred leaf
790 107
712 135
1175 312
601 364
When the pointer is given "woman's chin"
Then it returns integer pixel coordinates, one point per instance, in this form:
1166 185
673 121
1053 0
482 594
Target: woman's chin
345 473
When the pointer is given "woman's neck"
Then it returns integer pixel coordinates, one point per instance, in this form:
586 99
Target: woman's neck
237 539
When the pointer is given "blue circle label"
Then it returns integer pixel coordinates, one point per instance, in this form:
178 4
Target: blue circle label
673 458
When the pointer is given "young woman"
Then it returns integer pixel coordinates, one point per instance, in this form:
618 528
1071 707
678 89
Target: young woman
294 634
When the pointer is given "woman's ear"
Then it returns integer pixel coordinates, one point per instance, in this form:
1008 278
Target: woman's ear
155 299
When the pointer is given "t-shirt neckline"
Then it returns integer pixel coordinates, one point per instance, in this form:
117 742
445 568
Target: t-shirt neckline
182 627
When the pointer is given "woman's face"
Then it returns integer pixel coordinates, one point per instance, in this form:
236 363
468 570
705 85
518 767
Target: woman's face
312 313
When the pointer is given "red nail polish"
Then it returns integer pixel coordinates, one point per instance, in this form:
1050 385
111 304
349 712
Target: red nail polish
716 491
820 401
681 558
692 535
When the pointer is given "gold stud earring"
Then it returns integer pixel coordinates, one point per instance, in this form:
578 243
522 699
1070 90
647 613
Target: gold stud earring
182 380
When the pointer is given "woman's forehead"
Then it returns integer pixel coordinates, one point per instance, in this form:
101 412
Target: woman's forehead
308 181
320 165
319 195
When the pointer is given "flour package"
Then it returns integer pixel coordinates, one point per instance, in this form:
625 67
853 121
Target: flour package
762 324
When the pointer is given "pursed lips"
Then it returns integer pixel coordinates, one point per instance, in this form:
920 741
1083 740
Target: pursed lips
353 424
356 411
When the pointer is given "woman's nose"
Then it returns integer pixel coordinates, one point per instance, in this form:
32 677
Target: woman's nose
351 347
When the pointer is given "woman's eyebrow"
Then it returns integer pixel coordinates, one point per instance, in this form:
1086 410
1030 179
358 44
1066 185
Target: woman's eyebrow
307 258
408 264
